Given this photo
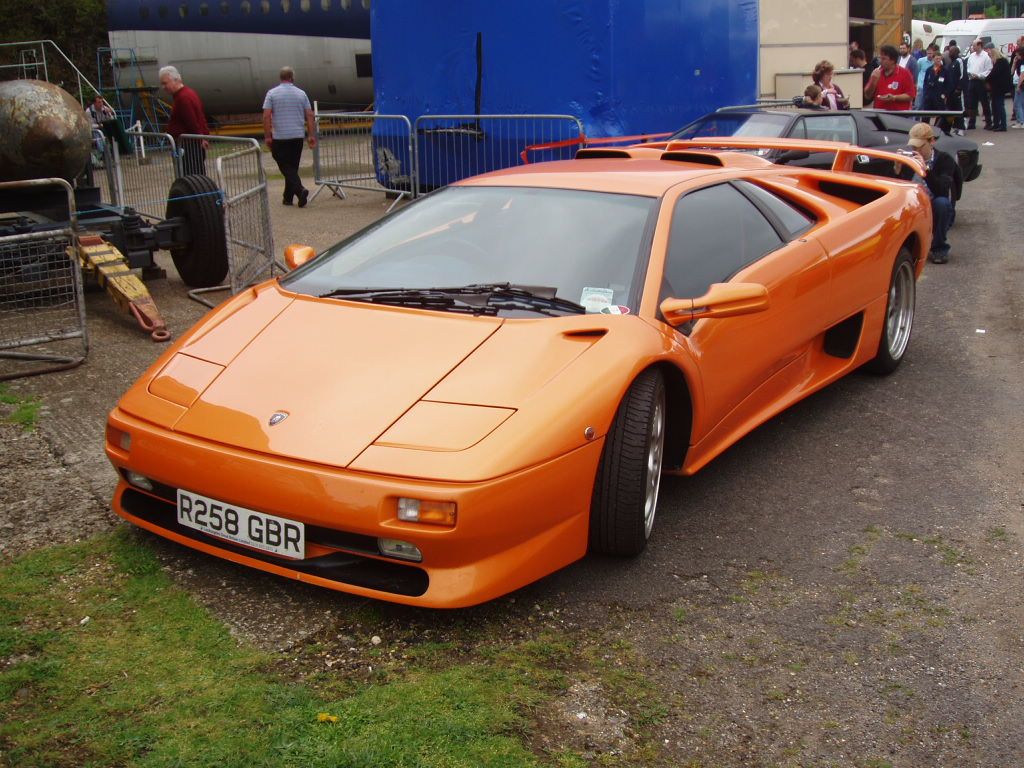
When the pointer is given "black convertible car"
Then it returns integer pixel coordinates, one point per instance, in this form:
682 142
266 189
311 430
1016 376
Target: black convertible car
864 128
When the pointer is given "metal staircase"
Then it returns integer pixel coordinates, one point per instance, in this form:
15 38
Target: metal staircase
127 70
35 58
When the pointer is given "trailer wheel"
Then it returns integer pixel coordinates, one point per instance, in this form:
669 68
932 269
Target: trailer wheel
204 261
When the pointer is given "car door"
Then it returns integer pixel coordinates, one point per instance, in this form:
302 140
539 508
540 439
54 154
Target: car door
728 232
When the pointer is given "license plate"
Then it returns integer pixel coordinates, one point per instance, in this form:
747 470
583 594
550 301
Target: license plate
258 530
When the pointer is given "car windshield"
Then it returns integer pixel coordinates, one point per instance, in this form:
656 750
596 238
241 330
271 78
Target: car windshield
580 246
738 124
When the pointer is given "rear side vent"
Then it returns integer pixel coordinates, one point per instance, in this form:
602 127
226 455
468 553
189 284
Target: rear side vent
855 194
585 333
589 154
701 158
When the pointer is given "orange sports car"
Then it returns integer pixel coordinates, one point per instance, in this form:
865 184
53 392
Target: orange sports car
477 390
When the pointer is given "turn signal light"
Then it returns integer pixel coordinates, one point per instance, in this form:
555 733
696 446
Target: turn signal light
426 511
119 439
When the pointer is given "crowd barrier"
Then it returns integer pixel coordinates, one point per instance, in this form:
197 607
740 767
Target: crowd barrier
360 150
140 178
452 147
42 310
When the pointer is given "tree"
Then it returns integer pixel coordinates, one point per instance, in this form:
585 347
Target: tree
78 27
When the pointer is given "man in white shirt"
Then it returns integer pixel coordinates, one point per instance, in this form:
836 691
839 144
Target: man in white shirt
907 60
287 120
979 64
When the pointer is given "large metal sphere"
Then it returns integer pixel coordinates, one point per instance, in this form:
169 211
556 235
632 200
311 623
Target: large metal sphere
43 132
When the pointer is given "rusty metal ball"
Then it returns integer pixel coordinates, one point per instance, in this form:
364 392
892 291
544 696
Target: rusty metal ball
44 132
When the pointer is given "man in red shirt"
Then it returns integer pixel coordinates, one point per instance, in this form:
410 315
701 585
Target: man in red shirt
891 86
188 117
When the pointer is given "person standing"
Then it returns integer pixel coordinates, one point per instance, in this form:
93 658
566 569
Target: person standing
923 65
859 60
890 85
187 117
999 84
955 97
907 60
979 64
833 94
287 120
1017 75
937 88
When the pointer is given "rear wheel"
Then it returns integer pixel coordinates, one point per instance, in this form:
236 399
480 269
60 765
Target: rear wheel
202 263
899 316
629 475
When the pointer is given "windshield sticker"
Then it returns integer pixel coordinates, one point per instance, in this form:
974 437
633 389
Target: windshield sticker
596 299
615 309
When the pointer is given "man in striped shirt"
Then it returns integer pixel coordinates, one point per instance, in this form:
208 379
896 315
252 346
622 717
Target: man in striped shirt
287 119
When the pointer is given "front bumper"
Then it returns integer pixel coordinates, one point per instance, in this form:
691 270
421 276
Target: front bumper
510 531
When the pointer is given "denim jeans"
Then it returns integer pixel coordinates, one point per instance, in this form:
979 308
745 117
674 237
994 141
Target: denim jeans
998 112
1018 105
943 215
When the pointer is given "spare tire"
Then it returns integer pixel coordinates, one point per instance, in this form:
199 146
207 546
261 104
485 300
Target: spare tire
203 262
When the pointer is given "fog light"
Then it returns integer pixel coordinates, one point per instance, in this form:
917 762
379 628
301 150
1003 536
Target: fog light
403 550
426 511
139 481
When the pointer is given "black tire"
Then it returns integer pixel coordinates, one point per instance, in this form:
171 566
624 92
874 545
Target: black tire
899 316
202 263
620 521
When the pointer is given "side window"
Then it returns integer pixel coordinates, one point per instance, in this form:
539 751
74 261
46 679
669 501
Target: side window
827 128
716 231
789 219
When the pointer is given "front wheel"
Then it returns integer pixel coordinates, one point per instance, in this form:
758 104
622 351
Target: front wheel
899 316
629 475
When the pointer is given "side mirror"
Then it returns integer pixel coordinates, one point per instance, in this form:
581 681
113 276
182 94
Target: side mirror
296 255
721 300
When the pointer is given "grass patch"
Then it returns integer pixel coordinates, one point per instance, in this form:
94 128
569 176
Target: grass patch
103 661
23 411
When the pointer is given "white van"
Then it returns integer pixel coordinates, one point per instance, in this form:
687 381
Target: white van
926 31
1004 33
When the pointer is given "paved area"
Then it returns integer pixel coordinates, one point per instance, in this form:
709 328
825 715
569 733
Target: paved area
840 588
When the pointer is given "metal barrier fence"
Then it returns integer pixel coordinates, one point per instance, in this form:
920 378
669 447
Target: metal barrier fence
453 147
236 165
361 150
141 178
42 310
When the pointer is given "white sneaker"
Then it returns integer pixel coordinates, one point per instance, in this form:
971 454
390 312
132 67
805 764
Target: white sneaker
959 132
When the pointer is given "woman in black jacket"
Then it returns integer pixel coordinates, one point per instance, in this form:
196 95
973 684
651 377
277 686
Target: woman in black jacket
999 84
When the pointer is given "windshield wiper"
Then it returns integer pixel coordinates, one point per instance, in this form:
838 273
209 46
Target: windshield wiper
478 298
539 298
424 298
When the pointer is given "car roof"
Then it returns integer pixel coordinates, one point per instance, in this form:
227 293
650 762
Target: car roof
624 174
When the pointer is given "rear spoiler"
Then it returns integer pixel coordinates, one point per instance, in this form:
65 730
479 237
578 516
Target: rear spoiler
846 154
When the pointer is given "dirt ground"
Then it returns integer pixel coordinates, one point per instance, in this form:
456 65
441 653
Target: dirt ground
841 588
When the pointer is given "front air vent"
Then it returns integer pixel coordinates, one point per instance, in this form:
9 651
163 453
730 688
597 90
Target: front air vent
700 158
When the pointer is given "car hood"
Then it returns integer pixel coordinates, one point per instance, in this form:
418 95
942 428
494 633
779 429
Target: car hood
320 380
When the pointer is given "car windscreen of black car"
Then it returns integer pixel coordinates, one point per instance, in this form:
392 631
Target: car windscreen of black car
738 124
